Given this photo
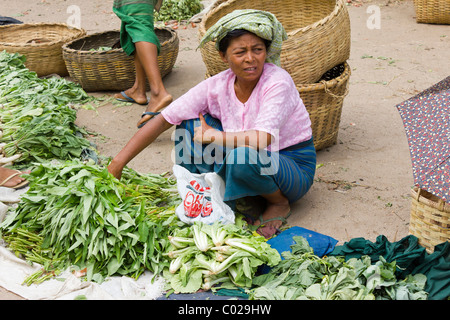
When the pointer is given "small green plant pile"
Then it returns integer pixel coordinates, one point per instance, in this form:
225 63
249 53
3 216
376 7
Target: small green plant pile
178 10
37 117
305 276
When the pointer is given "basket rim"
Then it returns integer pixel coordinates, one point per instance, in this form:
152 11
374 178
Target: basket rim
338 6
80 32
66 48
442 206
326 84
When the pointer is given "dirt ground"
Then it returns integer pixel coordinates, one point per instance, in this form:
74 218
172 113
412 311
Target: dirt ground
362 187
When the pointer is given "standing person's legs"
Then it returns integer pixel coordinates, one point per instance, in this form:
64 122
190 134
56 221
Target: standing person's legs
146 55
138 91
146 64
137 37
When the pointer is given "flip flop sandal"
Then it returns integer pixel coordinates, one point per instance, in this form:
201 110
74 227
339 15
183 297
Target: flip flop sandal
148 113
17 186
273 231
129 99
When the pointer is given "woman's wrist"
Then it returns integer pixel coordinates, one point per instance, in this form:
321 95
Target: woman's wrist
115 167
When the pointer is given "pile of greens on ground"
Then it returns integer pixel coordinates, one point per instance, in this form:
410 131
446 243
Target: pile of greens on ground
202 256
178 10
79 214
37 117
304 276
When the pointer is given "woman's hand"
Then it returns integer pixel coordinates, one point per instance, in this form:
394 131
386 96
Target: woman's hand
205 134
115 169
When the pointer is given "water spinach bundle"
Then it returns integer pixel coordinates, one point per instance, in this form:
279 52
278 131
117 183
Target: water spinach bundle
37 118
77 214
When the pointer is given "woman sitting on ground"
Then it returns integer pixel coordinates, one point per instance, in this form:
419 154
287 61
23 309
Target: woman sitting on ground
251 113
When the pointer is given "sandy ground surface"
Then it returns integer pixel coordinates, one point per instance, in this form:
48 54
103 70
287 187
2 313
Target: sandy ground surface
362 188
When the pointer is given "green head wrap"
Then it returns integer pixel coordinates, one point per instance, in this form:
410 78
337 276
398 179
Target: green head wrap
262 23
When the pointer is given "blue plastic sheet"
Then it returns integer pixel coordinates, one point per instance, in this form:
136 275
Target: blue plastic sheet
320 243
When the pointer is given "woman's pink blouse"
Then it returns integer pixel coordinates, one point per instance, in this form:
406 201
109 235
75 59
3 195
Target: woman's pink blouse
274 106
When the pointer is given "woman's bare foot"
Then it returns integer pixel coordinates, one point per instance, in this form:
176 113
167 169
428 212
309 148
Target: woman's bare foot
156 104
275 214
11 178
137 96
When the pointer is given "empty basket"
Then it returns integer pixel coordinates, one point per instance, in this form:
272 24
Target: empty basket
40 43
430 219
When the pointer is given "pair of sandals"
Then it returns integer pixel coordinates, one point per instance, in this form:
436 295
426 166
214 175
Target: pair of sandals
17 186
126 98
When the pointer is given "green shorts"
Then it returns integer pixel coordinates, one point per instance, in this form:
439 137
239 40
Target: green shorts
137 23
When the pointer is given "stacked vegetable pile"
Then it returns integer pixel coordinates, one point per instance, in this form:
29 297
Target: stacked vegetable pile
36 115
79 214
304 276
204 255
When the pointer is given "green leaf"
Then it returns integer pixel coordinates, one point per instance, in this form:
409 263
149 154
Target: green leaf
87 201
113 266
193 282
143 232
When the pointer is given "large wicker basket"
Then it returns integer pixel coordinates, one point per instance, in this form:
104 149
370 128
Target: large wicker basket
324 101
318 35
430 219
432 11
113 69
41 43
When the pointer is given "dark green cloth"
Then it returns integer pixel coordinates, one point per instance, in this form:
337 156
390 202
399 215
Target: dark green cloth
137 23
410 257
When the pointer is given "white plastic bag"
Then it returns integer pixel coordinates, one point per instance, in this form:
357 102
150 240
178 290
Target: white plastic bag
202 197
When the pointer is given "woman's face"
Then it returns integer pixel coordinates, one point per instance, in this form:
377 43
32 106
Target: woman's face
245 56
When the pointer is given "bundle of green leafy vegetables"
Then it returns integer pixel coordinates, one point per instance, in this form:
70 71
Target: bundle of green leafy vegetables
178 10
305 276
202 256
37 117
77 214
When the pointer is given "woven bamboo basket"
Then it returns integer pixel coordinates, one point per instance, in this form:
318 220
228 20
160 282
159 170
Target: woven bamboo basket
430 219
432 11
318 35
113 69
324 101
41 43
